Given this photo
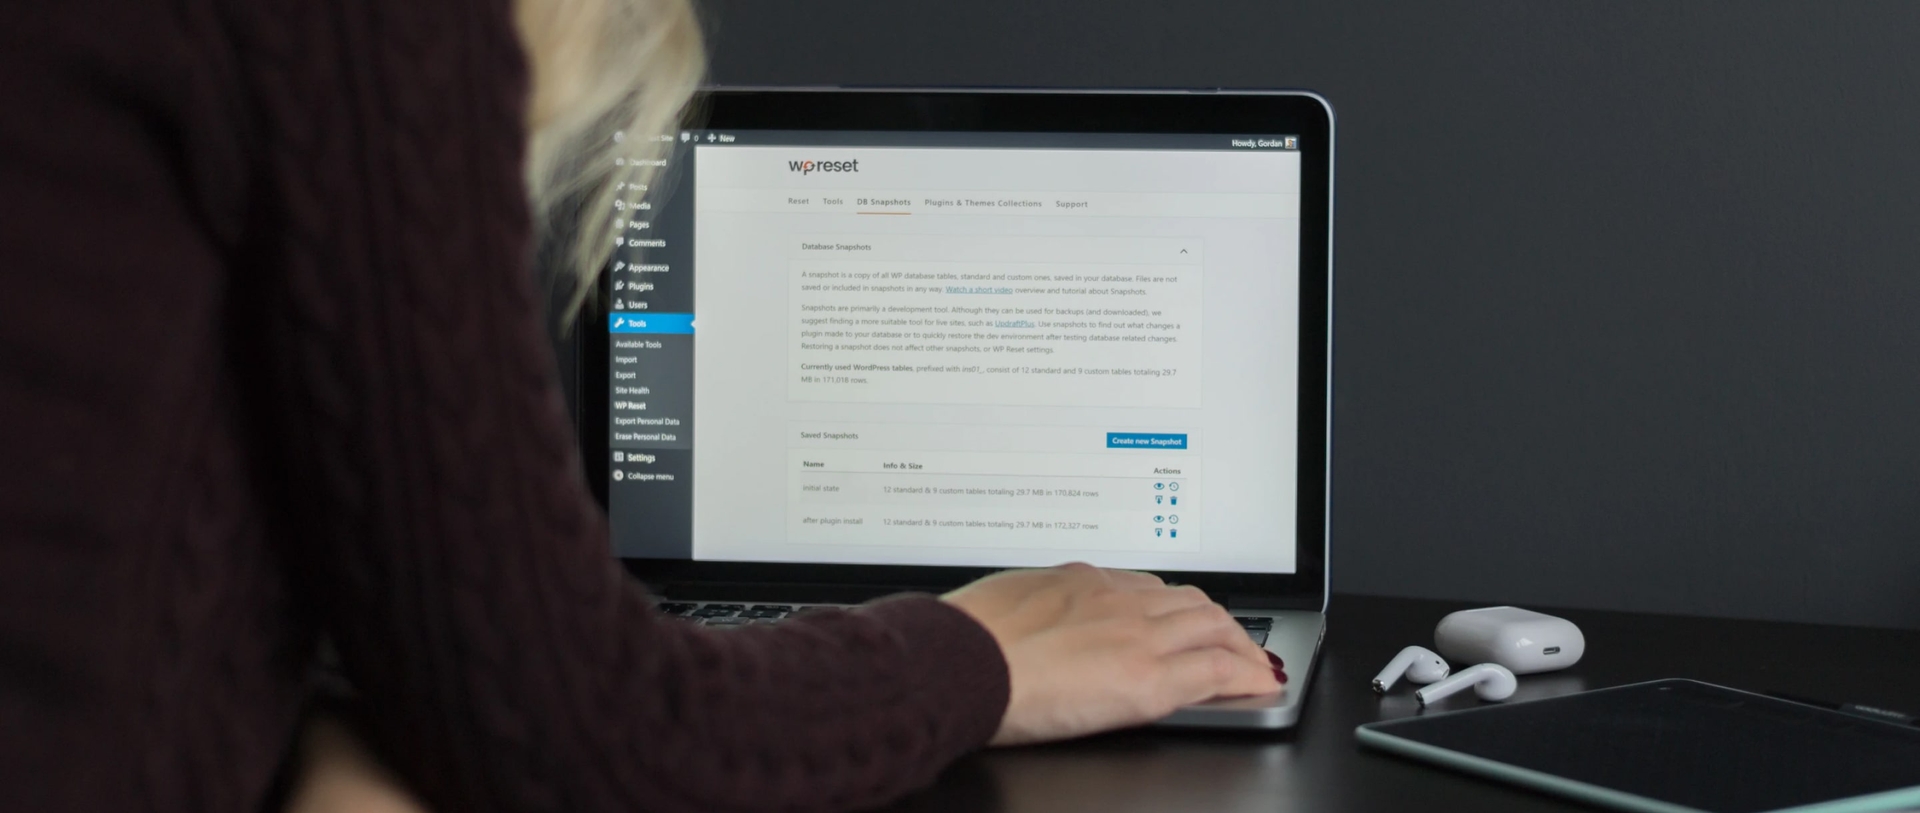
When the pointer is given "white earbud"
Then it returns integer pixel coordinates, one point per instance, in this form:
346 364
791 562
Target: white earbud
1490 681
1417 663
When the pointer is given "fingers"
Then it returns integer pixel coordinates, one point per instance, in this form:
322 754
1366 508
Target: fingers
1197 675
1210 626
1207 625
1247 682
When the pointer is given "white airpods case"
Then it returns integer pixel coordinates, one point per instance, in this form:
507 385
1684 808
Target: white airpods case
1521 640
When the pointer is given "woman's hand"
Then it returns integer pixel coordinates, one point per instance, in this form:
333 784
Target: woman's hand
1089 649
338 775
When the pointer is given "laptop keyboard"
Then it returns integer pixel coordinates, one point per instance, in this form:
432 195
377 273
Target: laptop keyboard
1257 628
716 614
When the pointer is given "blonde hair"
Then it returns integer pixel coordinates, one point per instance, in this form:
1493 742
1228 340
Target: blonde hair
608 77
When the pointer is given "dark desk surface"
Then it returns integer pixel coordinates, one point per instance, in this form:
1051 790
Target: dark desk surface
1318 766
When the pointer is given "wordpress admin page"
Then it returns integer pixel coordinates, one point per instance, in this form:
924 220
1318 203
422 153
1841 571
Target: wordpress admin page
962 349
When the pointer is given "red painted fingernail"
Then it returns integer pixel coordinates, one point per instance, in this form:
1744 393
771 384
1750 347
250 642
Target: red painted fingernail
1279 667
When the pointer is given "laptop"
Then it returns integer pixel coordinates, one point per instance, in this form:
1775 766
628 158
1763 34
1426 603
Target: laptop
861 341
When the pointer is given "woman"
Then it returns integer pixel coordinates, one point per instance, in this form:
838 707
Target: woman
272 368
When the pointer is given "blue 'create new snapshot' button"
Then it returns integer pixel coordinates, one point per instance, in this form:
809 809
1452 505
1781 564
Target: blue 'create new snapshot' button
650 323
1146 440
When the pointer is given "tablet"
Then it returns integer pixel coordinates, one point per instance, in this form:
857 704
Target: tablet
1674 745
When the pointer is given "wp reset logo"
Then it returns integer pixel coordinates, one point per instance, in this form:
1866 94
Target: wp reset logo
810 167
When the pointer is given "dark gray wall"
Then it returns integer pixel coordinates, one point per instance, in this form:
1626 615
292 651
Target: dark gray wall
1629 293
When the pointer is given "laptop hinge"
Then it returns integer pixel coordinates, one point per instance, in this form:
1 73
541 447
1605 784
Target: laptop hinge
783 592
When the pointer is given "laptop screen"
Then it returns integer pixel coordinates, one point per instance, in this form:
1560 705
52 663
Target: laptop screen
964 349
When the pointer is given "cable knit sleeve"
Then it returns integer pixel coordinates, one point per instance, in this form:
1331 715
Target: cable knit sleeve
445 537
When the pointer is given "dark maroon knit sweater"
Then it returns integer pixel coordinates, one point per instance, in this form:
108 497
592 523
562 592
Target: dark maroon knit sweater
272 364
